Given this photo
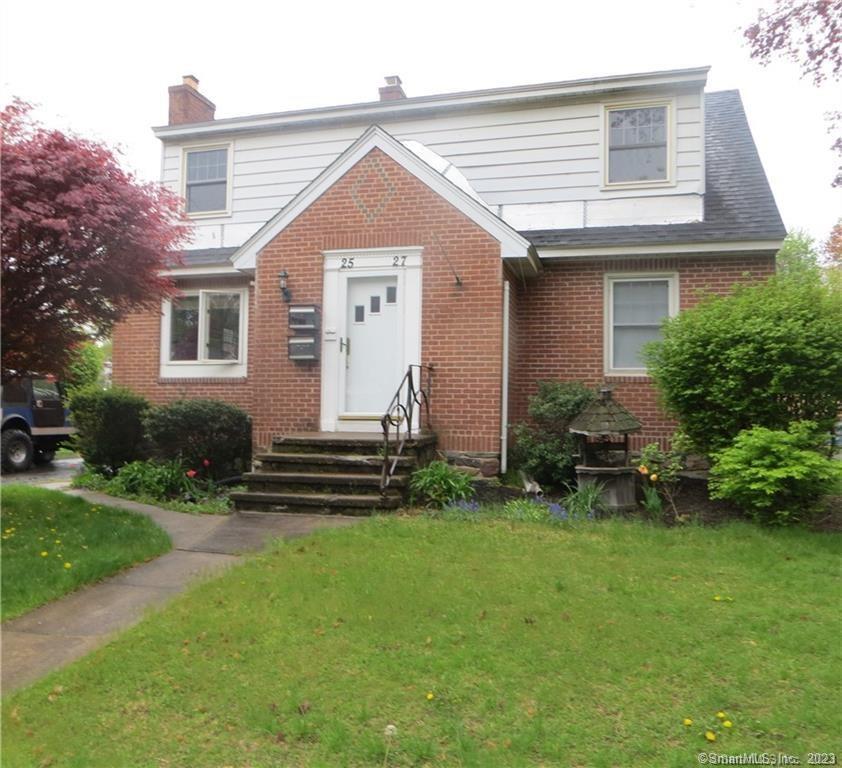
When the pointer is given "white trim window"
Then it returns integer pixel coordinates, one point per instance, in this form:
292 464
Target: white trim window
638 144
207 180
635 307
204 333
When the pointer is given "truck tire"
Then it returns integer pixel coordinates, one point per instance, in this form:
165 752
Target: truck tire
17 450
44 455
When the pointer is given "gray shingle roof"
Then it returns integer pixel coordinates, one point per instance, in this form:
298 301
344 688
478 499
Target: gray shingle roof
739 204
207 256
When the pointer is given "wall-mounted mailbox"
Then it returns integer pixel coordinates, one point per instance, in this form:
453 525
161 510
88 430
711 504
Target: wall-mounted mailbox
304 347
304 318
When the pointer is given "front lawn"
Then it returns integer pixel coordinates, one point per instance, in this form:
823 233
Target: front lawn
485 644
53 543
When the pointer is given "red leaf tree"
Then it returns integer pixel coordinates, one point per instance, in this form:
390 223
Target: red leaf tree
83 243
810 33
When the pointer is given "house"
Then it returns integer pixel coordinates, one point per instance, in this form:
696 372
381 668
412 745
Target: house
502 236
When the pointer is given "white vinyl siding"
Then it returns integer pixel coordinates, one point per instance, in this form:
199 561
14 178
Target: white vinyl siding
635 308
549 155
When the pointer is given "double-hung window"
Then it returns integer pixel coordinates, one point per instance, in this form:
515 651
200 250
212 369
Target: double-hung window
206 327
635 308
638 144
206 180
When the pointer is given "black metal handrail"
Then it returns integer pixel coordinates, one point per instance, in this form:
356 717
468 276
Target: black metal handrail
400 415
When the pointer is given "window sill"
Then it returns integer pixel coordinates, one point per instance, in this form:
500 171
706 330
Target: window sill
621 186
627 376
208 214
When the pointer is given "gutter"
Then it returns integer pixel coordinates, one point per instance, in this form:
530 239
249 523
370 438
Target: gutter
504 405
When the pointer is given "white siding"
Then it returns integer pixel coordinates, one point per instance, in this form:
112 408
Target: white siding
547 157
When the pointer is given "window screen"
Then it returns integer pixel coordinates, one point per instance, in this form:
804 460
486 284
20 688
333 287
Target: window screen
638 308
223 326
207 180
637 144
184 329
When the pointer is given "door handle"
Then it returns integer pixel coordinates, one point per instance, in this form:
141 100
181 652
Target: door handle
345 344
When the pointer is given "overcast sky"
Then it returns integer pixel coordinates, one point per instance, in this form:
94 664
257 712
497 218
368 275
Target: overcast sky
102 68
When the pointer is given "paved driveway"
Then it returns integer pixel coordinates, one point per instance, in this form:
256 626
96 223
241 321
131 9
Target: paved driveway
57 474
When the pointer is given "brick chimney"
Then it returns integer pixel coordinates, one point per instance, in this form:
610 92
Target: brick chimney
187 105
392 91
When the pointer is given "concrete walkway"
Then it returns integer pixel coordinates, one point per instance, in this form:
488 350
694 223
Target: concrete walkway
203 545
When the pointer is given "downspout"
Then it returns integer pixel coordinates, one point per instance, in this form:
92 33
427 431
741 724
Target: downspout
504 407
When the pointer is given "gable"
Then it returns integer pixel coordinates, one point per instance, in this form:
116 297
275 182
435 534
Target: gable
512 244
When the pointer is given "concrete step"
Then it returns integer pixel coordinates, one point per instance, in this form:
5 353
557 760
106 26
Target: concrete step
367 444
320 482
345 463
315 503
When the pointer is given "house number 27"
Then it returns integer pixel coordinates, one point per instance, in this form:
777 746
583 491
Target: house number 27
398 261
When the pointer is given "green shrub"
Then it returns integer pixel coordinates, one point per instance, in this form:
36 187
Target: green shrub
659 470
439 484
208 436
544 448
774 475
110 426
767 355
152 479
85 367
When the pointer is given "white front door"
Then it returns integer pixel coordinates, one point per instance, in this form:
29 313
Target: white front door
372 349
371 333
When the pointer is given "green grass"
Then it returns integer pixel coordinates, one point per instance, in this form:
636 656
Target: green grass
67 453
541 645
96 541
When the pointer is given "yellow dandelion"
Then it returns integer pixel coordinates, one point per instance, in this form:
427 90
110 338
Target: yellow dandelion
718 598
643 469
687 721
430 696
653 477
727 723
58 541
710 735
45 554
68 566
720 715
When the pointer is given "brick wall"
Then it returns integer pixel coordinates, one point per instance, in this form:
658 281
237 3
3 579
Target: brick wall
561 330
378 204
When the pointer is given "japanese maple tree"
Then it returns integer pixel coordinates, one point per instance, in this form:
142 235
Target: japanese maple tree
83 242
809 32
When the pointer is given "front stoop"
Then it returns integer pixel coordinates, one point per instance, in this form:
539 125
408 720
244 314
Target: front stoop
330 473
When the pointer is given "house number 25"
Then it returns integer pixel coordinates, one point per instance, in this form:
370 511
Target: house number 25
347 262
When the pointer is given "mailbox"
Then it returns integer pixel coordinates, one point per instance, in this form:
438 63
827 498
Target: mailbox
304 347
304 318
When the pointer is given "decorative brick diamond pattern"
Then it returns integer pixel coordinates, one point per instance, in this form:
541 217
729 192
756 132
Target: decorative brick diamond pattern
373 190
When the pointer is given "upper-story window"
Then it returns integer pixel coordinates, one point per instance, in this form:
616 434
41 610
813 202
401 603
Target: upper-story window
638 138
206 180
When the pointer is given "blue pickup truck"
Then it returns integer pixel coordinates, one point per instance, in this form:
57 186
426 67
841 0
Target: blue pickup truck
34 422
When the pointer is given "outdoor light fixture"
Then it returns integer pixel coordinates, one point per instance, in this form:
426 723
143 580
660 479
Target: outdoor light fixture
282 282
